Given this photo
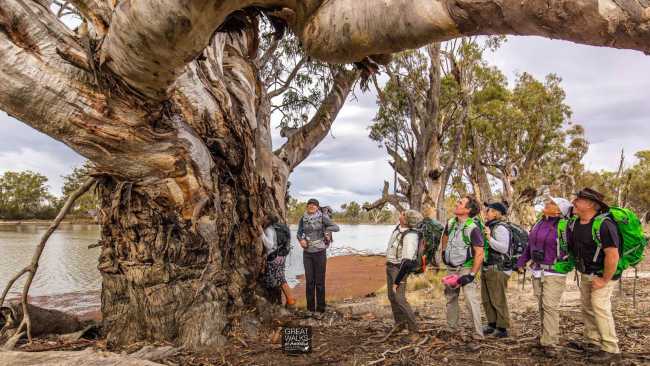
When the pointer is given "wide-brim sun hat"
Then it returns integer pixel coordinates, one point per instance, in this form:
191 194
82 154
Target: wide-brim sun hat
593 195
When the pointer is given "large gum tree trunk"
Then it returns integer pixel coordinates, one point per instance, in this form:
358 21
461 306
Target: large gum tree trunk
181 252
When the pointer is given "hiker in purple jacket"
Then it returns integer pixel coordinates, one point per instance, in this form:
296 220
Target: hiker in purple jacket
548 284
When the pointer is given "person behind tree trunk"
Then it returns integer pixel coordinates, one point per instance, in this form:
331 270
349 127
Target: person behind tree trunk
274 274
462 252
544 250
496 271
597 266
314 229
400 259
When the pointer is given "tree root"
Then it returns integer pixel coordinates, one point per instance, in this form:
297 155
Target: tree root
26 324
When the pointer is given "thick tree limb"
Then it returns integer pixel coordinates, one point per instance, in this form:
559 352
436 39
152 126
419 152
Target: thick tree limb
171 33
303 141
392 199
367 30
26 324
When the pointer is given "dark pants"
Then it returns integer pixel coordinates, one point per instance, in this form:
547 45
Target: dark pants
402 311
315 265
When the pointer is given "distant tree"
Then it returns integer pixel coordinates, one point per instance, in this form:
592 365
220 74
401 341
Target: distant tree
24 195
295 210
71 182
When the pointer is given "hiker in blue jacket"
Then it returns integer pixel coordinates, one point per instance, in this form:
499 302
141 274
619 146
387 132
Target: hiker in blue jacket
314 236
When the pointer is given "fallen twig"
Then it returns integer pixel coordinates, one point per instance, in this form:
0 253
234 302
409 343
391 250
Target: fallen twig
383 355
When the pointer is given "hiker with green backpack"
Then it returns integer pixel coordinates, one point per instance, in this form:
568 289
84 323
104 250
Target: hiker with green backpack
402 260
550 262
462 252
593 239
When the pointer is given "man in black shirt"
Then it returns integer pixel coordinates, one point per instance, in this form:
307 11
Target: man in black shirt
596 255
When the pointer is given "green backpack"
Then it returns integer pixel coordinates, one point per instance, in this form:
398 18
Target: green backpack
432 231
566 263
630 230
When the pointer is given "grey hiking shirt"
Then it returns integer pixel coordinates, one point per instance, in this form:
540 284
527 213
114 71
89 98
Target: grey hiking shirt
312 228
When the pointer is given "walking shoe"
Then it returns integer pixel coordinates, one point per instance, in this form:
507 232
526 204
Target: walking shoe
584 347
488 329
545 351
603 357
500 333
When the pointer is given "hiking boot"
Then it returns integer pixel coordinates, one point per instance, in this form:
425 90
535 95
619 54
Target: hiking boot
488 329
317 315
603 357
584 347
500 333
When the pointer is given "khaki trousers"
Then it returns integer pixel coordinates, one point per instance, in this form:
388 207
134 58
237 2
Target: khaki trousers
494 284
472 300
549 307
597 314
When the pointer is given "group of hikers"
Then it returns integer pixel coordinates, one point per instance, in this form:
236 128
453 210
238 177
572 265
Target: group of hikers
481 249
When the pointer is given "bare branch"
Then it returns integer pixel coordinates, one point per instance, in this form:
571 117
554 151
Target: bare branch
387 198
289 80
304 140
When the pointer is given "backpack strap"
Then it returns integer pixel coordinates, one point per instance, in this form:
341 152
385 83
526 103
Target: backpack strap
561 238
595 233
401 240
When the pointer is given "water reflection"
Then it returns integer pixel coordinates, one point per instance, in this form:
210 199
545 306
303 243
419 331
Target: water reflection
67 265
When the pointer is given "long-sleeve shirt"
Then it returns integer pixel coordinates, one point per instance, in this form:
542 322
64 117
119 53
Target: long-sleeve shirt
543 239
269 239
312 228
402 249
395 254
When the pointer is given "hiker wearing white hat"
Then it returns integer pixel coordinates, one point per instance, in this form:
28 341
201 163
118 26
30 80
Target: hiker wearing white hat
547 253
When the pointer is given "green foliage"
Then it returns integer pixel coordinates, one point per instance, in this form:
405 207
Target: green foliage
24 195
71 182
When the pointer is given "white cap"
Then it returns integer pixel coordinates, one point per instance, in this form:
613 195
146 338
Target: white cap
563 204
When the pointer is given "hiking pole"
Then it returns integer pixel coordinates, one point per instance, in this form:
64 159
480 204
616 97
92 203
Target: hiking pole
541 301
636 277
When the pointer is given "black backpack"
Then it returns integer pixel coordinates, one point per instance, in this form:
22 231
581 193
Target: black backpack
518 242
420 261
283 238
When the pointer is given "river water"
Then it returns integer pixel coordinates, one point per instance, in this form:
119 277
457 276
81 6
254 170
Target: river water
68 266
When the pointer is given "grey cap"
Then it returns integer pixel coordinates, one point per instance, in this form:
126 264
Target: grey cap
413 218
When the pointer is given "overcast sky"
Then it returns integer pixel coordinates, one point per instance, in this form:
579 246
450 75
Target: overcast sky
607 89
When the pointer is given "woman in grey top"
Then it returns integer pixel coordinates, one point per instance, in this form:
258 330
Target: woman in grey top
314 230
